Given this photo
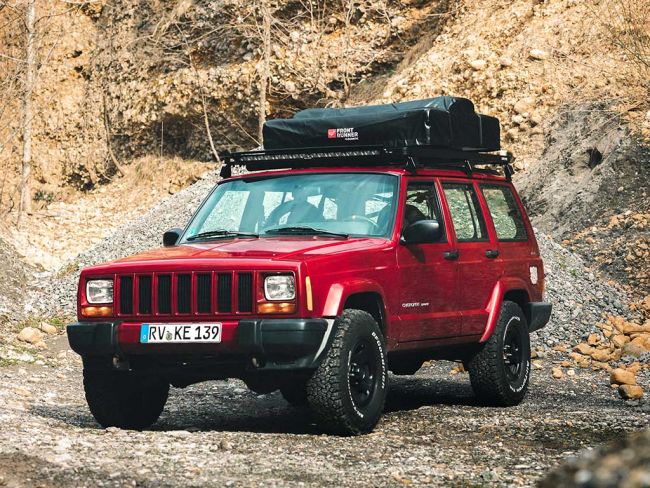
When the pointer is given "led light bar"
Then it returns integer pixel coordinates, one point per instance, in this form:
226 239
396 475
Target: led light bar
249 158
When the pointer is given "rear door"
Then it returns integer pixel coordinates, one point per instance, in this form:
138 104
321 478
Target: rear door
428 292
479 268
512 232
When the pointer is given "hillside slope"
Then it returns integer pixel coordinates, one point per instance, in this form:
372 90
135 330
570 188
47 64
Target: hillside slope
126 81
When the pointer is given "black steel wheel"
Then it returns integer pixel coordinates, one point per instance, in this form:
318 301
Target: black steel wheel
362 372
513 357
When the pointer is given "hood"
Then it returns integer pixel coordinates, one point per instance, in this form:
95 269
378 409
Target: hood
298 248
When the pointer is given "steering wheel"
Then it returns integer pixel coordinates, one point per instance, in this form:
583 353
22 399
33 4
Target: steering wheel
279 211
357 218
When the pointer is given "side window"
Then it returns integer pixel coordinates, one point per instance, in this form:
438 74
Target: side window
422 204
465 212
508 221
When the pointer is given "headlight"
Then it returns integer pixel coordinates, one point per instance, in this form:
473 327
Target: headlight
99 291
280 287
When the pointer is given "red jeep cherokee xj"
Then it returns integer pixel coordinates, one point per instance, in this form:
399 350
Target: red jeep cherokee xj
319 274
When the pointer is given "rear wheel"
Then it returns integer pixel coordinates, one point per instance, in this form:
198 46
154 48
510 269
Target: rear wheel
124 399
348 390
500 370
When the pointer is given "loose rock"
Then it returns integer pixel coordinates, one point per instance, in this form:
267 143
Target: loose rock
30 335
622 377
630 392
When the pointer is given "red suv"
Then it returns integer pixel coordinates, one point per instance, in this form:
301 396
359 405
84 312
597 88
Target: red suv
319 278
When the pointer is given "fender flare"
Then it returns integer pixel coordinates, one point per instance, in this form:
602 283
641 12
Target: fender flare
339 293
496 299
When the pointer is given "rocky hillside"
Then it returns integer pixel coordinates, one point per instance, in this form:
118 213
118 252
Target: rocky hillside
591 190
131 78
14 277
120 82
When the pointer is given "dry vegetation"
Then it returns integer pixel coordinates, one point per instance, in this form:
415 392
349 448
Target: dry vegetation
118 82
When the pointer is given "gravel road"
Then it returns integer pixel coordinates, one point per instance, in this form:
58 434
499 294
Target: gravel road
221 434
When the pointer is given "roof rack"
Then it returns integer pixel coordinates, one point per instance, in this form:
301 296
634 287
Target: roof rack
411 158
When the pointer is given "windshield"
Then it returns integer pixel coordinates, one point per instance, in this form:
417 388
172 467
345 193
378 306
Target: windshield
329 204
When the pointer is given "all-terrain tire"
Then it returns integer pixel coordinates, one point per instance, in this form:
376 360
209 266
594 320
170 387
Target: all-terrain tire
347 392
500 370
123 399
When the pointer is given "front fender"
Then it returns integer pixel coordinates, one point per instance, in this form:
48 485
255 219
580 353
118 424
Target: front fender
339 292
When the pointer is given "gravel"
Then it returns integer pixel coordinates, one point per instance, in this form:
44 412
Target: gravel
57 293
14 276
579 298
623 463
220 434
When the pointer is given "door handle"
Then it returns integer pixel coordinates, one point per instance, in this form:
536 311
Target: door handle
451 255
492 253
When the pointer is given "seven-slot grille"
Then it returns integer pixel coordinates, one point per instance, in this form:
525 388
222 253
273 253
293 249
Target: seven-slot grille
178 294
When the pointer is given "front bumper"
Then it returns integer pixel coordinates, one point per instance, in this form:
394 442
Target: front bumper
265 344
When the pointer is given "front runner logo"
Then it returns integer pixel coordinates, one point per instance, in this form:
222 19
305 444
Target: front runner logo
347 133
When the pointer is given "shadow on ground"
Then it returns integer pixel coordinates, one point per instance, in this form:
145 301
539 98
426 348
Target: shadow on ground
215 406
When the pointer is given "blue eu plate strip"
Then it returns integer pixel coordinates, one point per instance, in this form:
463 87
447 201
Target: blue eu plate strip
144 333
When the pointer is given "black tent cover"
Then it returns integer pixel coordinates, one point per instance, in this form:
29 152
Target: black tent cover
446 122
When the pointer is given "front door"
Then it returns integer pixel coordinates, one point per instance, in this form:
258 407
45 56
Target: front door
478 266
428 291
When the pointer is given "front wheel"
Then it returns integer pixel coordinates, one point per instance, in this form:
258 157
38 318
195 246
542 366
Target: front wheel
348 390
500 370
123 399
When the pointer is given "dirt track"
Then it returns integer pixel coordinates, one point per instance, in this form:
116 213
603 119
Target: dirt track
220 434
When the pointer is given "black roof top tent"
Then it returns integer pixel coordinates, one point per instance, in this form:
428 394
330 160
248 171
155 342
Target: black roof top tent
437 132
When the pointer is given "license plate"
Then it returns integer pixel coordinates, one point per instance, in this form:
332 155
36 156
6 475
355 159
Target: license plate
170 333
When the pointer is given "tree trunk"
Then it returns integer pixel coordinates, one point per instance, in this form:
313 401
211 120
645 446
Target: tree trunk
266 64
30 70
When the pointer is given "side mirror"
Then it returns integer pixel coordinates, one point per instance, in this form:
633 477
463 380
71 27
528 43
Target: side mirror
170 238
422 232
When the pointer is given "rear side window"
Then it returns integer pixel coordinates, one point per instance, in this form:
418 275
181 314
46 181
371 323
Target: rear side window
465 212
507 218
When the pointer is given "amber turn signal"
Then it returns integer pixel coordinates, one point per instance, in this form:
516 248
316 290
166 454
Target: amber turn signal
97 311
276 307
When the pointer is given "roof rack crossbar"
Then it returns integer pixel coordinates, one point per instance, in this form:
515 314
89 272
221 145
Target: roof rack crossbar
408 157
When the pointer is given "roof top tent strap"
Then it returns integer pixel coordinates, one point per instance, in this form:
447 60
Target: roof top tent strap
509 171
226 166
226 169
411 167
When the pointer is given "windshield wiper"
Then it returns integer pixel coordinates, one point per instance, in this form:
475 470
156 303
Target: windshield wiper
305 230
220 233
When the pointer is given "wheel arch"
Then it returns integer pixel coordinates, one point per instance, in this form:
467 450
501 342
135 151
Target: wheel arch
370 302
362 295
514 290
521 297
